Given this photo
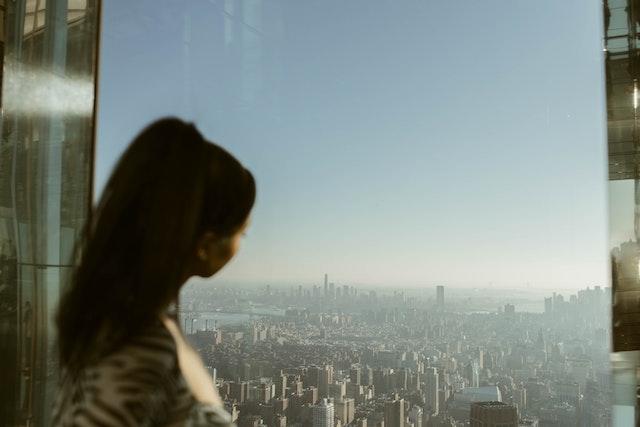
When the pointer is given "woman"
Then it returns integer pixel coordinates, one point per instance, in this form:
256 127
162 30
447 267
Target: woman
176 206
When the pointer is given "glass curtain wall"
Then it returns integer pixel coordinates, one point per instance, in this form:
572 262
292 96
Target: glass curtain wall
622 63
46 148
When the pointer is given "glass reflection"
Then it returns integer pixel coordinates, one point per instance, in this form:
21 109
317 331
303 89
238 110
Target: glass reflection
622 65
49 57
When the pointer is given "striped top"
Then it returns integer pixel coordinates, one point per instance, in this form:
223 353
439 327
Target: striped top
138 385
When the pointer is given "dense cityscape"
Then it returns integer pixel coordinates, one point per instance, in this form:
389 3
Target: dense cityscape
339 355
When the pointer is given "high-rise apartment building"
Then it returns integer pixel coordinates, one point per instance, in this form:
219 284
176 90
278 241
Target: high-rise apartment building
345 410
323 414
264 392
493 414
310 395
312 376
326 378
394 413
432 384
355 375
281 386
239 391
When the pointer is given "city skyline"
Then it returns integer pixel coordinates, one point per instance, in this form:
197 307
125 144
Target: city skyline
521 300
529 288
386 157
363 357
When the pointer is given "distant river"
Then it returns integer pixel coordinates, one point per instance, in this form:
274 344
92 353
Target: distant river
204 318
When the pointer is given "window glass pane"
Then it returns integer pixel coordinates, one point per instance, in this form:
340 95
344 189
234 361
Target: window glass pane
398 146
46 149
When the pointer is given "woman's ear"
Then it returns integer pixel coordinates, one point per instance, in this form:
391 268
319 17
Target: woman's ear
206 243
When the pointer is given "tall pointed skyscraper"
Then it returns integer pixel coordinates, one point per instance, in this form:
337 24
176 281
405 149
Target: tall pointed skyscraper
326 285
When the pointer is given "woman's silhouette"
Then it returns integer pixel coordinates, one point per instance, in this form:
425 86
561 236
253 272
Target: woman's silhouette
175 206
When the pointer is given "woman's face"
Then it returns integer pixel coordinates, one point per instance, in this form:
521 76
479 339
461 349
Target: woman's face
214 253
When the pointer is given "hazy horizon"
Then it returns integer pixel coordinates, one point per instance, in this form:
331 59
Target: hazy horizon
455 287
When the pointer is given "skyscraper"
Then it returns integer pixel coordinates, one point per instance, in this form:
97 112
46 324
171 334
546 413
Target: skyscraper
281 386
312 377
493 414
431 379
440 296
345 410
326 378
355 375
264 392
326 285
394 413
323 414
310 395
239 391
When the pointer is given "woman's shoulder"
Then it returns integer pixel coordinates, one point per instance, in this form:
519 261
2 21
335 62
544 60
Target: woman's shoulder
151 348
142 374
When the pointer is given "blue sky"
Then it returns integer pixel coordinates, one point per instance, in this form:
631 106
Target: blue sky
405 143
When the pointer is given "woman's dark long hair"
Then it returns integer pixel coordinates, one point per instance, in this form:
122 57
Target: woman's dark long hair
168 188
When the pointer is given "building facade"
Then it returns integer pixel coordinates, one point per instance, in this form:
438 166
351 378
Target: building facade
394 413
323 414
493 414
